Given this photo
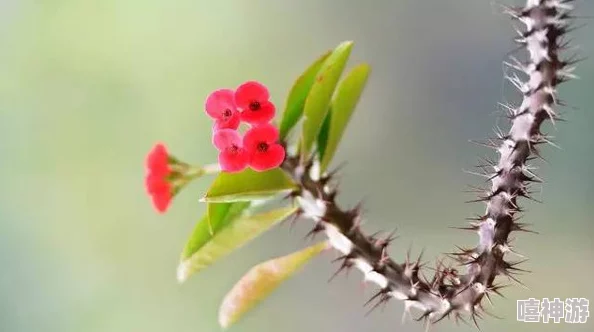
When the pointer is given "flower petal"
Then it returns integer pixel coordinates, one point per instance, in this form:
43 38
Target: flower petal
226 138
219 101
260 116
157 160
231 122
161 201
266 133
271 158
155 183
232 162
159 190
250 91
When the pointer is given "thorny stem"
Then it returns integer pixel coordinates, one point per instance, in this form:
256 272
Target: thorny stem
449 293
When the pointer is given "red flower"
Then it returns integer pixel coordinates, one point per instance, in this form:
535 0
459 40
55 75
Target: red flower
220 106
252 97
232 156
260 143
157 186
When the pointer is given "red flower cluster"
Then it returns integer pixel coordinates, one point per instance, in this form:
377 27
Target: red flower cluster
156 183
258 148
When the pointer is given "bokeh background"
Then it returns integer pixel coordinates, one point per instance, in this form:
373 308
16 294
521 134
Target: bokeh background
86 88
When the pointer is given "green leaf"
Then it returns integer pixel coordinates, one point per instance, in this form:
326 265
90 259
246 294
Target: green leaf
323 136
343 104
298 94
318 99
218 215
248 185
261 280
204 249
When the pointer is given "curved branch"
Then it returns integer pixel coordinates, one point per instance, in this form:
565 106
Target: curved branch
449 293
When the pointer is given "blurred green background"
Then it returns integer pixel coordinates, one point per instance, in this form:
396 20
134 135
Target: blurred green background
86 88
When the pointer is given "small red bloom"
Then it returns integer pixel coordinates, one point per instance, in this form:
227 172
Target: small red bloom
157 160
265 153
253 99
232 156
157 186
220 106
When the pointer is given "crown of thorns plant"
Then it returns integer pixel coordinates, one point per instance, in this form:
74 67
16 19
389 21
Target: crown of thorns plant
255 167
